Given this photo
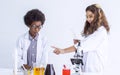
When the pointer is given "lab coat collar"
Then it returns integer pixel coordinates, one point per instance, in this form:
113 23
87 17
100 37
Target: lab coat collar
26 36
36 37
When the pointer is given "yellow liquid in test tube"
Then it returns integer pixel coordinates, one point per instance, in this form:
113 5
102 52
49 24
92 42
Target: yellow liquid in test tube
28 72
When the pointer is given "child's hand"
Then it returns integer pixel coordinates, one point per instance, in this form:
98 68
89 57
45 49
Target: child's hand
58 50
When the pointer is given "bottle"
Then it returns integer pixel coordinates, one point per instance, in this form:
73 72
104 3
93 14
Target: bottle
49 70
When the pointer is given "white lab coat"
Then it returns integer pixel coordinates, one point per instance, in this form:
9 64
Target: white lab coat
22 47
95 50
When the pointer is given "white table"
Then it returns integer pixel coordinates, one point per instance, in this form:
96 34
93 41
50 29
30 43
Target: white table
6 71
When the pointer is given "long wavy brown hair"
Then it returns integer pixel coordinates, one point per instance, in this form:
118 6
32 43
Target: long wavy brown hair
99 20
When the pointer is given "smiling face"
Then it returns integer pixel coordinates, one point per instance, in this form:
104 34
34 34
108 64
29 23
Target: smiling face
35 28
89 16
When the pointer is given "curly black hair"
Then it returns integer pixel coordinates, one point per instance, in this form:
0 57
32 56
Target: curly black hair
34 15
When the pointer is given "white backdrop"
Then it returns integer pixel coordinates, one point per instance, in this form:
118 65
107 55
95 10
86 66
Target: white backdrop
64 18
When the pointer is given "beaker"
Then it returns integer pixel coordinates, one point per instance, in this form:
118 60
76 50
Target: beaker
38 69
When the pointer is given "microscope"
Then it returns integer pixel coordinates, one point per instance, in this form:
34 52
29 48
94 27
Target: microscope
77 60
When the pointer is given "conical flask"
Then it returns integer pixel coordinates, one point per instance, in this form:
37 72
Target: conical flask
49 70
